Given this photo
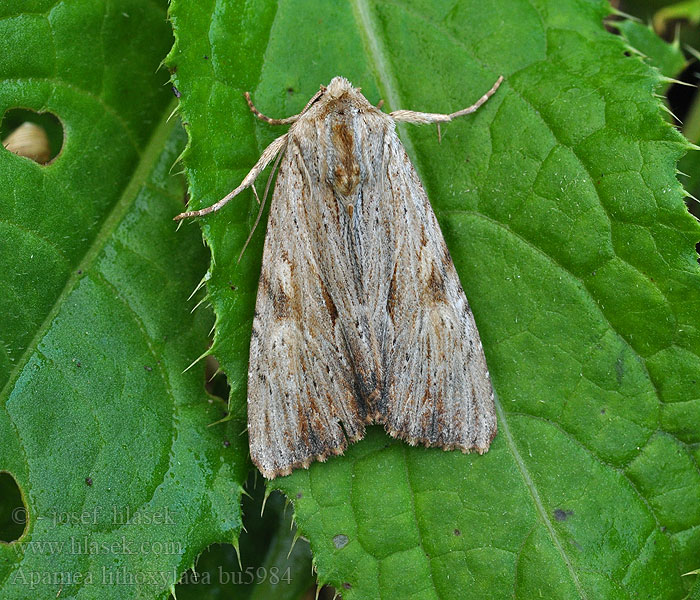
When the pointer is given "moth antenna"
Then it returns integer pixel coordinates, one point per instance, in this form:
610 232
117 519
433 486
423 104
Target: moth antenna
315 97
269 177
410 116
380 104
265 159
262 206
270 120
252 231
287 120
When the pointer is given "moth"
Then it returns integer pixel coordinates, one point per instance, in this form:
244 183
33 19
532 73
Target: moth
360 315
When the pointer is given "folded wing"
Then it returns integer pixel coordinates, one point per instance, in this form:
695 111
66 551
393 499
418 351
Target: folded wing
437 390
303 401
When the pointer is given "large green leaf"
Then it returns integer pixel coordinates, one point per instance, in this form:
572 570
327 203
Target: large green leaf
560 206
124 482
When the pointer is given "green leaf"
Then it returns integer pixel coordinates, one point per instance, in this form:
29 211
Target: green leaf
272 563
107 439
668 58
559 203
671 61
688 10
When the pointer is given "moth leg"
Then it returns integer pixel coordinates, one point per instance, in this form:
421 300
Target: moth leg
410 116
265 159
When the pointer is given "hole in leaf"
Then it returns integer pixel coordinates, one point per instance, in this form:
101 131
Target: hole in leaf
215 382
37 136
13 512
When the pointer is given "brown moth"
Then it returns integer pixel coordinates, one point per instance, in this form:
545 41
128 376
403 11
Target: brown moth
360 315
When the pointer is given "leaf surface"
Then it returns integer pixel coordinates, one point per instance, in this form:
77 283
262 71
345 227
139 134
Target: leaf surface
269 563
559 203
123 481
668 58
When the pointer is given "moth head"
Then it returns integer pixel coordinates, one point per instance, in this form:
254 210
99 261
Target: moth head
337 87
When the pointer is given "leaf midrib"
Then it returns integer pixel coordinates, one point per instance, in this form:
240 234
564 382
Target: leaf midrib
387 83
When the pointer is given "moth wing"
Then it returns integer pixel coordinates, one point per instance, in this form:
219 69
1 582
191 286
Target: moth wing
437 388
301 402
